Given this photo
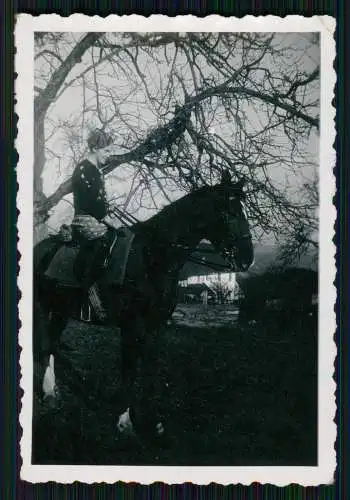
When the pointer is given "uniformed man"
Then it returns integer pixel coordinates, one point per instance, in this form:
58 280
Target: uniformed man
89 226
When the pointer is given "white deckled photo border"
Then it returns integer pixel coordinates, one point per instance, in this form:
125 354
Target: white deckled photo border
323 473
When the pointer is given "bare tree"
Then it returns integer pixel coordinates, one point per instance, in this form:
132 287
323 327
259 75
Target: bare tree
221 290
300 237
183 106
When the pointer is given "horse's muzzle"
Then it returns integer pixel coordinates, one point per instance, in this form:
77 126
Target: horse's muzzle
241 260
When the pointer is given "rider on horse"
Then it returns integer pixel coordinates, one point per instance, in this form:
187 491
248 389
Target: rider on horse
90 224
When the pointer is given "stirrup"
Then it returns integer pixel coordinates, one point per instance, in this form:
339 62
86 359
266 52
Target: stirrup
96 302
110 250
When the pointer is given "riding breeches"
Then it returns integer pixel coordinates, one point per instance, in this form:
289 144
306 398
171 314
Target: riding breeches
90 260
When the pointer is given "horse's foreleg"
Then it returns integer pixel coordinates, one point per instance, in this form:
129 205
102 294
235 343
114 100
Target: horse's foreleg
132 342
148 406
143 413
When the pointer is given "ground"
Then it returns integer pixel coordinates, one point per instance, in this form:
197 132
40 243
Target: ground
232 395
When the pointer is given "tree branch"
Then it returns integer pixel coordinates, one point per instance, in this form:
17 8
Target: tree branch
49 52
261 109
270 99
48 95
161 136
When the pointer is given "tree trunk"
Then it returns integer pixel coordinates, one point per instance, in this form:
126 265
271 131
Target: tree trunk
40 233
40 228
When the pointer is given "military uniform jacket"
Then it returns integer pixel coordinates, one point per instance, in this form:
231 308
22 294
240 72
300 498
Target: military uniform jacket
89 191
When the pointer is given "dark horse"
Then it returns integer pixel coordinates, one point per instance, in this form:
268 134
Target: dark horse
141 306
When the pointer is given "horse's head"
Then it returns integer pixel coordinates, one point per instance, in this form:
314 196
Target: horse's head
229 231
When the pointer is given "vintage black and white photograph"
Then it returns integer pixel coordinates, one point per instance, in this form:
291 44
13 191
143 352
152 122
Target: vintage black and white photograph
177 264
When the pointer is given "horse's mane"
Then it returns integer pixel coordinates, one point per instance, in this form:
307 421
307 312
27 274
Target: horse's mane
181 204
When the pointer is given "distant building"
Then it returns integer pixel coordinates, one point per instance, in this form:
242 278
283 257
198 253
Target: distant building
210 269
209 273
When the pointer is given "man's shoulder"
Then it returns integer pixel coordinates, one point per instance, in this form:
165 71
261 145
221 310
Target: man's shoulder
86 164
89 159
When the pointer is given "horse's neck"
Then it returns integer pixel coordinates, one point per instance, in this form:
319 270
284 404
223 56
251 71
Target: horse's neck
177 233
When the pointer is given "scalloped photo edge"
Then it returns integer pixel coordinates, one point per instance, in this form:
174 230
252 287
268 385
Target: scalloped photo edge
324 472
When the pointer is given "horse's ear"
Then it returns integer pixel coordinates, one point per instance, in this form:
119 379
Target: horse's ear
240 184
226 177
239 187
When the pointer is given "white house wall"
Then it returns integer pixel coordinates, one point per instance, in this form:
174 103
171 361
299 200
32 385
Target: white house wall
226 279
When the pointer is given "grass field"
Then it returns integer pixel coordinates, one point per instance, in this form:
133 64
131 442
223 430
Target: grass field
232 395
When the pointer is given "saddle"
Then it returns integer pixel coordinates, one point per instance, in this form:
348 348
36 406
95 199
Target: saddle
62 265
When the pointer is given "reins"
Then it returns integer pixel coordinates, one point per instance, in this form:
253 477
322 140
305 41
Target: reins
211 265
201 260
129 220
124 216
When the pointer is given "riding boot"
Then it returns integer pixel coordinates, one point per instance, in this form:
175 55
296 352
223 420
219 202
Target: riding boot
93 267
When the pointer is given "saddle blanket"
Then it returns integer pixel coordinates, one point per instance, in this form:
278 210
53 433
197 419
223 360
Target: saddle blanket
61 267
117 259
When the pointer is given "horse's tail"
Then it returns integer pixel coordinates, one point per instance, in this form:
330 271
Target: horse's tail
42 256
44 253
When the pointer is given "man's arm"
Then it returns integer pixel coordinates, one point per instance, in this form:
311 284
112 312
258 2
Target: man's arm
89 190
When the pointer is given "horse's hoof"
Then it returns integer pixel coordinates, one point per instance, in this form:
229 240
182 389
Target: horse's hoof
159 429
50 403
52 400
124 425
57 394
126 429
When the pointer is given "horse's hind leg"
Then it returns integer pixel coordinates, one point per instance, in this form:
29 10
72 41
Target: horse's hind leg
58 323
56 326
48 328
41 350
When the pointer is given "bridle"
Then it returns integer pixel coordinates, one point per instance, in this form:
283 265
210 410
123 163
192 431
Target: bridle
130 220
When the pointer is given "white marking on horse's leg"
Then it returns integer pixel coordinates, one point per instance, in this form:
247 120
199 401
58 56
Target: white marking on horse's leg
49 380
125 427
124 424
159 429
